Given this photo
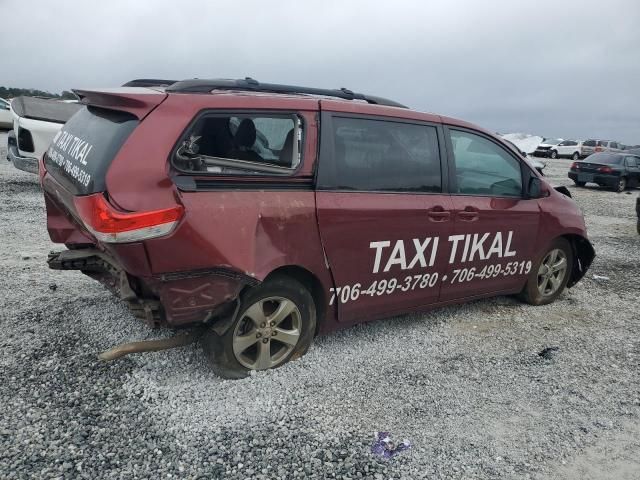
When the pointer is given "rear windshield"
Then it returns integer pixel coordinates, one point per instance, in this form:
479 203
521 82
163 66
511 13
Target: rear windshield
590 143
83 149
605 158
603 143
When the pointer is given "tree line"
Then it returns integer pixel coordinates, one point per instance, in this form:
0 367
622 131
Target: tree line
12 92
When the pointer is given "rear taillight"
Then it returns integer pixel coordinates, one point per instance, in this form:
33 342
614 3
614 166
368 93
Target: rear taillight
112 226
605 170
575 166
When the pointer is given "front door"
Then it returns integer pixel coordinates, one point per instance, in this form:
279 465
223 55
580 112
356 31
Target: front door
495 228
383 217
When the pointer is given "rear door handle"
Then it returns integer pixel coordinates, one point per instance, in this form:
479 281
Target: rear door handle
438 214
469 214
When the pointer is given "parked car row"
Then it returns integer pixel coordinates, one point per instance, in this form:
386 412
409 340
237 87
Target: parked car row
559 148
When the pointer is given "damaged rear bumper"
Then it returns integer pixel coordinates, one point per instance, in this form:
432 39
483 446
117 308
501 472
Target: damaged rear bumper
26 164
170 299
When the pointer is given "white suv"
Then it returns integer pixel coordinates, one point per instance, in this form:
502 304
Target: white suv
568 149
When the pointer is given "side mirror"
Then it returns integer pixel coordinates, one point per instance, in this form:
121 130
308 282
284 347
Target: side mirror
534 189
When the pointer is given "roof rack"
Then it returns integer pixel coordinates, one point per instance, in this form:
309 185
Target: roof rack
148 82
205 86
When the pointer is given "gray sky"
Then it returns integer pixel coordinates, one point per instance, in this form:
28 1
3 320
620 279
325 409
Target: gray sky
554 68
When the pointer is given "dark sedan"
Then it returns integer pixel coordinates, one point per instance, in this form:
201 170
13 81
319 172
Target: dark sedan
614 170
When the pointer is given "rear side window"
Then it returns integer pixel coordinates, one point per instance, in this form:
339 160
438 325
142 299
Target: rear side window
483 167
605 157
590 143
81 152
631 161
602 143
242 144
380 155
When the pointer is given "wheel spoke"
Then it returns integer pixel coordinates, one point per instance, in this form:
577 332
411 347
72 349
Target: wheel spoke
242 342
559 265
552 257
290 337
264 356
543 285
256 313
285 309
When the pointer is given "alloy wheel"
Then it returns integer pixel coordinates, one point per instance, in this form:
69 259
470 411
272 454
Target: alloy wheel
552 272
267 333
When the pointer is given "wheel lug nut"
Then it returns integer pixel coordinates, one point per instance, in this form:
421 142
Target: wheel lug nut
265 340
273 324
262 325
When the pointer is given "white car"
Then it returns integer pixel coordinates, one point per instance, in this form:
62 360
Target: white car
545 149
567 149
6 119
35 122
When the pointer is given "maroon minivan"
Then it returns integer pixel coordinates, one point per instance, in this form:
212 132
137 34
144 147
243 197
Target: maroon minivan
271 213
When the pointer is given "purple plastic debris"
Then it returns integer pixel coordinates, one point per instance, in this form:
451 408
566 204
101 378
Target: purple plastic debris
384 446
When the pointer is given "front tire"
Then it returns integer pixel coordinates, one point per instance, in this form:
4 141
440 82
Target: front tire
276 323
575 157
553 154
580 184
550 274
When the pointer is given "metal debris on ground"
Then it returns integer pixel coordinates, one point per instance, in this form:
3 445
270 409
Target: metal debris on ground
600 278
384 446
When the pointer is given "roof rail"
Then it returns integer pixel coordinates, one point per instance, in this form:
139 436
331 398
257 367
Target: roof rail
205 86
148 82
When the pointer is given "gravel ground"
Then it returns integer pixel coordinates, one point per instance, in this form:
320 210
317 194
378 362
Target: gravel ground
464 384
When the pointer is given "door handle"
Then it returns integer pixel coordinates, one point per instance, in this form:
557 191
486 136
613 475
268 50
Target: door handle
438 214
469 214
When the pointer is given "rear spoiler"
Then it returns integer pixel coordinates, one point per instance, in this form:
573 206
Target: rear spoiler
44 109
137 101
149 82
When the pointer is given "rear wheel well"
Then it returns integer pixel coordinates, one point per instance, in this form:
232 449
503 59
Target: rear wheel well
310 282
583 254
